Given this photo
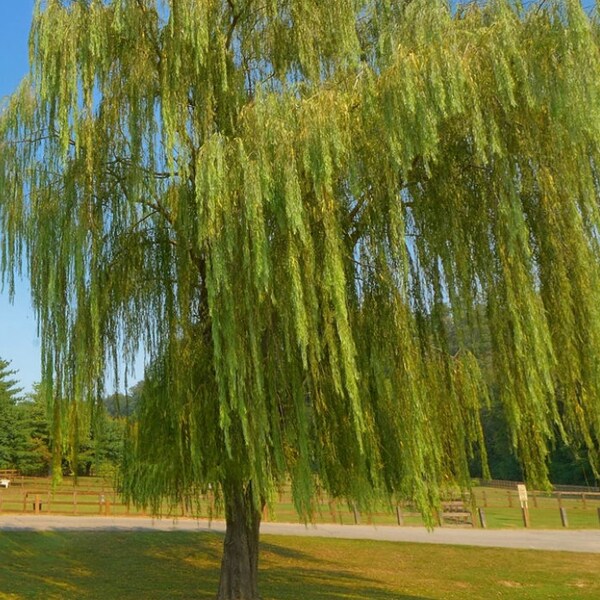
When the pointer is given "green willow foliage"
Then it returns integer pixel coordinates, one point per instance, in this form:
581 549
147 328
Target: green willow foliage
283 201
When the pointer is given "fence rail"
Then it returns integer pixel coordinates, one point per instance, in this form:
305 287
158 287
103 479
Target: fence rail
512 485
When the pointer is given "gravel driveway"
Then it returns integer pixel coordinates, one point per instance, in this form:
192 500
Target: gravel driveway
587 540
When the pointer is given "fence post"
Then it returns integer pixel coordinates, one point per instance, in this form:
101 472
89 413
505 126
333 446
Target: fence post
36 506
583 501
534 496
211 510
482 520
559 498
400 516
74 502
563 517
509 495
485 502
356 514
332 511
525 513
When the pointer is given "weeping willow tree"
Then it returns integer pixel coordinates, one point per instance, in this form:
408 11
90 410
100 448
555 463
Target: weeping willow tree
283 203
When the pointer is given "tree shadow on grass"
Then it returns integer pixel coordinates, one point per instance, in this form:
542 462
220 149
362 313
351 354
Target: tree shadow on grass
289 573
163 565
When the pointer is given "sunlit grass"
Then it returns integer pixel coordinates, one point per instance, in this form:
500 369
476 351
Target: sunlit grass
160 565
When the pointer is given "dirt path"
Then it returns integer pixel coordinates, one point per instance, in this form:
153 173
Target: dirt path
535 539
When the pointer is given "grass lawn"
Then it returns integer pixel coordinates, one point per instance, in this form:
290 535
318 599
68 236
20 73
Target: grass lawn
148 565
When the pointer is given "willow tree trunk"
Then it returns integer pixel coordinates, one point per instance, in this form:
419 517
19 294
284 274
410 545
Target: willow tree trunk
239 566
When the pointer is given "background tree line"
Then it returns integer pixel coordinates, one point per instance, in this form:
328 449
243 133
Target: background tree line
26 440
568 465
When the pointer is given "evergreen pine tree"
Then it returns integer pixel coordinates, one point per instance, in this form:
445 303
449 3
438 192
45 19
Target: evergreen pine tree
12 438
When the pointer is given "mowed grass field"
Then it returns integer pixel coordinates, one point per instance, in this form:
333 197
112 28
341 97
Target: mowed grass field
170 565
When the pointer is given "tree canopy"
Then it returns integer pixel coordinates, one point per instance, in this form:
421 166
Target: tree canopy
281 202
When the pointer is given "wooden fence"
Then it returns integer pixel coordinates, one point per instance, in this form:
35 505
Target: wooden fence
498 505
511 485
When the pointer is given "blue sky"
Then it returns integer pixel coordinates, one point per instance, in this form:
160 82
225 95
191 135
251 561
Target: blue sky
19 342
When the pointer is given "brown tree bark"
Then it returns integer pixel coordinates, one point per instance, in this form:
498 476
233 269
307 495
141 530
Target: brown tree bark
239 566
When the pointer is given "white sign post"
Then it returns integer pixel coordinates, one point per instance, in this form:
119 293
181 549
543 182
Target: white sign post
523 500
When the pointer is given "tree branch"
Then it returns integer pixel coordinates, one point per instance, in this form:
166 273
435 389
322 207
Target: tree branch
235 16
